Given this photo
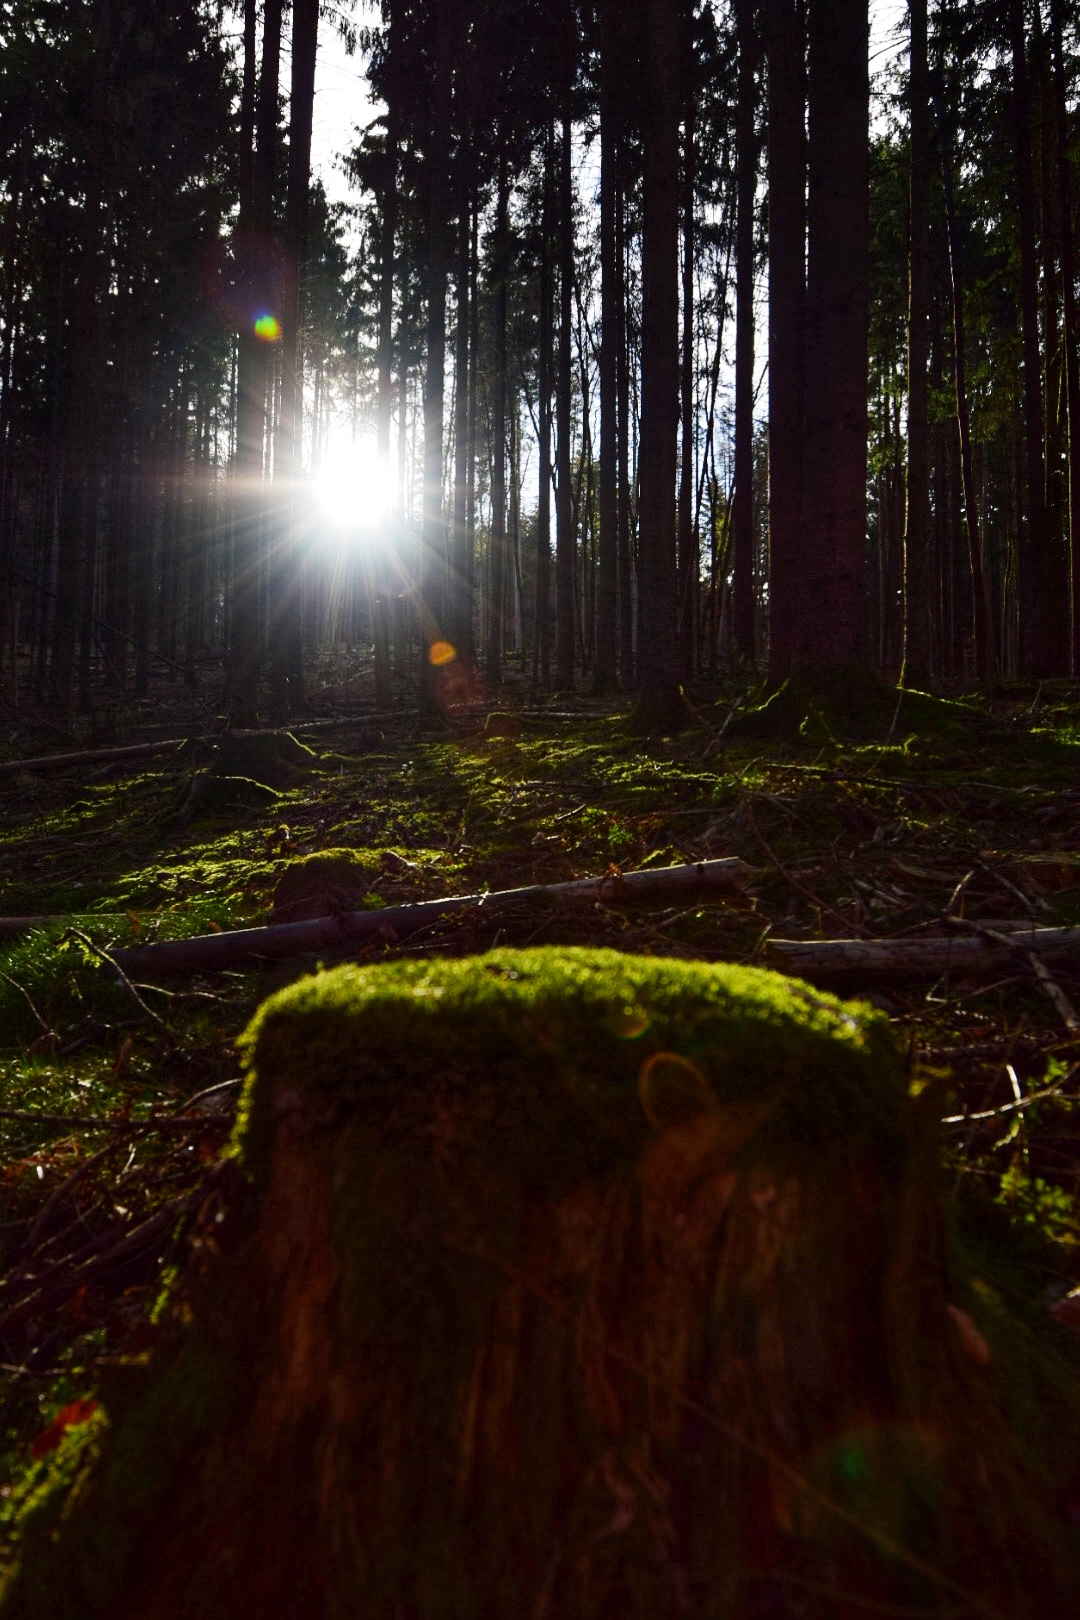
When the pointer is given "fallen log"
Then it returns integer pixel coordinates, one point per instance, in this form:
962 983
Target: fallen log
208 953
91 756
857 961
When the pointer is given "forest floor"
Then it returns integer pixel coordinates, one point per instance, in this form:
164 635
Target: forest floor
879 821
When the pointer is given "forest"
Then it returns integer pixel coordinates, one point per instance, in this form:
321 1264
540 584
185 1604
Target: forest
539 810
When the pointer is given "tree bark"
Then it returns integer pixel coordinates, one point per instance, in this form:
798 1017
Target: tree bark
787 302
208 953
746 178
253 378
497 572
1043 593
626 548
286 569
564 513
688 530
982 622
543 513
660 702
1071 323
432 547
78 507
831 630
384 584
917 527
604 677
461 573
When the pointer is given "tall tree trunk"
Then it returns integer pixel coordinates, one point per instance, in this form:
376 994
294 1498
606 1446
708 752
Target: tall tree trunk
564 512
432 559
607 583
497 577
253 378
688 532
543 514
1043 593
660 701
982 622
746 163
787 301
474 371
831 631
461 574
622 361
384 409
286 567
1071 324
79 500
917 528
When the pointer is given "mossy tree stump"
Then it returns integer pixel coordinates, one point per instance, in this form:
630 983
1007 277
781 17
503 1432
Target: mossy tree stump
575 1285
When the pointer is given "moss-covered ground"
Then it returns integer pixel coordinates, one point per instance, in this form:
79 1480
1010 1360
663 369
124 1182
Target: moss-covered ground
881 818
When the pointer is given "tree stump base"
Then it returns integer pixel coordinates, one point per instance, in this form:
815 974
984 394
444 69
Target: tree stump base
573 1285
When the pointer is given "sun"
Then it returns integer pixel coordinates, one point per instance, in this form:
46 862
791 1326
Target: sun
355 486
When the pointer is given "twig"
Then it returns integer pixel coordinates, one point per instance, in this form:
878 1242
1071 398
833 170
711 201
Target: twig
15 985
125 1249
1010 887
94 1122
110 961
789 877
1013 1107
1065 1008
65 1187
956 899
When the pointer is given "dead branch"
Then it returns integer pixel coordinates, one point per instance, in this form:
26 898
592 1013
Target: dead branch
1065 1008
209 953
95 1122
91 756
857 961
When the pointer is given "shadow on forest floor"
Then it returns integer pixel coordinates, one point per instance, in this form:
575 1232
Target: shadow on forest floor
863 814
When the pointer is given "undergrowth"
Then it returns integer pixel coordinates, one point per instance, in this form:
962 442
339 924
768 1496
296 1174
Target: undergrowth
117 1096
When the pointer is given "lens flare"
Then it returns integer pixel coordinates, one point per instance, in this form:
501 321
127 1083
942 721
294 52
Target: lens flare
440 653
268 329
355 487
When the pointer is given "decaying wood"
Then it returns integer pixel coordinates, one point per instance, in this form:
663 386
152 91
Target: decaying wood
91 756
208 953
856 961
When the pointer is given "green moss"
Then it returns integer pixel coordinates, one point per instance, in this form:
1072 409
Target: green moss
565 1036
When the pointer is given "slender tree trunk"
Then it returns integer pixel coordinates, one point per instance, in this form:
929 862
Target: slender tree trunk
286 561
1071 323
78 508
384 578
687 539
461 619
253 379
622 361
496 605
787 302
474 370
746 162
604 678
564 513
917 527
432 541
1043 595
982 623
660 701
543 514
831 631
